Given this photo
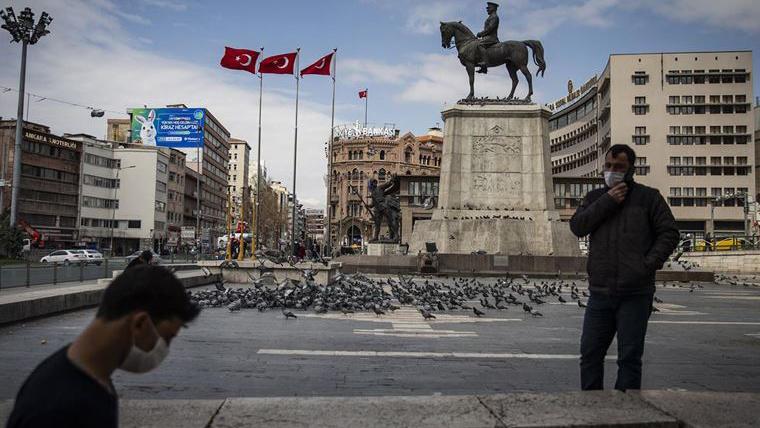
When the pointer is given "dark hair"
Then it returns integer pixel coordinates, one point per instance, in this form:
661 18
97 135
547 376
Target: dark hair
616 149
147 288
147 256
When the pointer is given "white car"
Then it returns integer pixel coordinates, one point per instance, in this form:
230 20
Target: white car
93 256
65 257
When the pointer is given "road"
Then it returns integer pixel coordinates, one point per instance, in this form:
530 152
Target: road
706 339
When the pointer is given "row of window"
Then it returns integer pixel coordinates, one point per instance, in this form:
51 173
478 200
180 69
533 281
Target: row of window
93 202
49 174
101 161
572 116
94 180
714 99
699 77
48 150
56 198
697 196
108 223
711 109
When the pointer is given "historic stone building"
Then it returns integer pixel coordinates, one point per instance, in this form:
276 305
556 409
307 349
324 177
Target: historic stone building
358 157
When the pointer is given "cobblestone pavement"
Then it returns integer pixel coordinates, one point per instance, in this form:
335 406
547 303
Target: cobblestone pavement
702 339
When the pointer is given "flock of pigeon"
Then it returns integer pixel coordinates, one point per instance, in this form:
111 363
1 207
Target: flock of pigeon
358 292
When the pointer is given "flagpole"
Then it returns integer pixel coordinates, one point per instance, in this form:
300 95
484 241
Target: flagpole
328 241
295 158
256 241
366 101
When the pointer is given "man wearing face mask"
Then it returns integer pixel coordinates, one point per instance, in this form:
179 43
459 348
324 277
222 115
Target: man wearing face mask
142 310
632 233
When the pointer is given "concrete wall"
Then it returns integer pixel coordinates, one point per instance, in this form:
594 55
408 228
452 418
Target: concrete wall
726 261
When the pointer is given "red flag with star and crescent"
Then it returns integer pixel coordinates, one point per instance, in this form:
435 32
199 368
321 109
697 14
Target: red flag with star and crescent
279 64
239 59
322 66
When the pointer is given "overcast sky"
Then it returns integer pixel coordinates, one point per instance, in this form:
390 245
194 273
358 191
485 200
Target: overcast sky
117 54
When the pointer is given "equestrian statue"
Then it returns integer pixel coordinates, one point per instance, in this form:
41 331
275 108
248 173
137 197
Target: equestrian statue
484 50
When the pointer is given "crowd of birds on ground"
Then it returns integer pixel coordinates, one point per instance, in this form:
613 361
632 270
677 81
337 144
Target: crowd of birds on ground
359 292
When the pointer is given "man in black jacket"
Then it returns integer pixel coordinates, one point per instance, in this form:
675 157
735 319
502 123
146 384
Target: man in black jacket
632 233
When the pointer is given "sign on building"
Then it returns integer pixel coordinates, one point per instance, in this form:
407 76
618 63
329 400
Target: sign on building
168 127
188 232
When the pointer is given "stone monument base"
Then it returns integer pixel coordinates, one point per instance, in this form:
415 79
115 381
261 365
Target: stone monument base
384 249
536 234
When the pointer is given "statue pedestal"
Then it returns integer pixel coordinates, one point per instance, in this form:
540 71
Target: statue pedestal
384 249
495 191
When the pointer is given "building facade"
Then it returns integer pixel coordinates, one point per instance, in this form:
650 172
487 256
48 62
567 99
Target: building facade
175 199
688 116
360 157
315 224
240 153
48 198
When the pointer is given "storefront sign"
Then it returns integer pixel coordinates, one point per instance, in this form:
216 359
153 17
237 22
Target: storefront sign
52 140
358 130
572 94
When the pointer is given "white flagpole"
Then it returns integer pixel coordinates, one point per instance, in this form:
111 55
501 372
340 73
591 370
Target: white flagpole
256 243
328 241
295 158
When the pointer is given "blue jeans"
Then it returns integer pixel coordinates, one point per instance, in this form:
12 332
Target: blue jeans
606 315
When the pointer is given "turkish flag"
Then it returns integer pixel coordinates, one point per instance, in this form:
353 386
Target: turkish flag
239 59
279 64
321 66
363 94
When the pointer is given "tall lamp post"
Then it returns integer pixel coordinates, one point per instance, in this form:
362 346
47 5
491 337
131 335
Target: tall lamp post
116 200
24 31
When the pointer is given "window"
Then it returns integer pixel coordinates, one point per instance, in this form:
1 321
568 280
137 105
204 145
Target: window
160 206
699 99
160 187
92 202
161 167
640 78
641 166
382 154
93 180
134 224
381 174
674 99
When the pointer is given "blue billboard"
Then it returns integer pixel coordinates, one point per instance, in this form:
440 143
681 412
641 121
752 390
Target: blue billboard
168 127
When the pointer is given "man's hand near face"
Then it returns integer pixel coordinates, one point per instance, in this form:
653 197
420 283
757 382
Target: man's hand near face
618 192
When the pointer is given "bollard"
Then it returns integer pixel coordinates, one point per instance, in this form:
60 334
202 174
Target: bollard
81 271
105 271
55 273
28 268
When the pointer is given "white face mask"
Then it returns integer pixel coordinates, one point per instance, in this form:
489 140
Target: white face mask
139 361
612 179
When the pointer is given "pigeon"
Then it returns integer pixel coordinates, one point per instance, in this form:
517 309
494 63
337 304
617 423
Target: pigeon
378 311
657 299
535 313
289 314
427 315
581 304
562 300
478 312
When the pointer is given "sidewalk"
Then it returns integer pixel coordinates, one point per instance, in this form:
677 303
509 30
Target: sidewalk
578 409
18 304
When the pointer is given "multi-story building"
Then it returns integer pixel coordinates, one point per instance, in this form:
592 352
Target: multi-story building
142 196
48 197
118 130
99 186
687 115
315 224
359 155
175 198
240 153
190 199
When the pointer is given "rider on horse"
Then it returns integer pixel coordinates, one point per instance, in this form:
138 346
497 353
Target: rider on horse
489 36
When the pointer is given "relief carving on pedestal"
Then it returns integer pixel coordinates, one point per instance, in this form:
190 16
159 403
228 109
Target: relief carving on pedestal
496 152
504 184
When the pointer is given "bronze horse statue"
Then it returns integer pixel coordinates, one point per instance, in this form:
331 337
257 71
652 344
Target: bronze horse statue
513 53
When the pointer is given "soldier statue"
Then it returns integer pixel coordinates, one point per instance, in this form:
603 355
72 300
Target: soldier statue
489 36
386 206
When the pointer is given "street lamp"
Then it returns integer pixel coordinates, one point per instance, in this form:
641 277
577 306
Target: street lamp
24 31
116 201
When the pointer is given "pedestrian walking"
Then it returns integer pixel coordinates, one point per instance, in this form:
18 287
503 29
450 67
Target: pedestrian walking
140 313
632 233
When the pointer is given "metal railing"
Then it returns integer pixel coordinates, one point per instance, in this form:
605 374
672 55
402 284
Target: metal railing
739 242
29 273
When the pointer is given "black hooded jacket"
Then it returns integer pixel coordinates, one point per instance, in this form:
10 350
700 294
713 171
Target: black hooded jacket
628 241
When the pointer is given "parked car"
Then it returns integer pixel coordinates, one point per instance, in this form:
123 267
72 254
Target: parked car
65 257
93 257
156 260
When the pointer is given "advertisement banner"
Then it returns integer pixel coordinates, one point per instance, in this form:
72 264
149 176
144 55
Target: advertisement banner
168 127
188 232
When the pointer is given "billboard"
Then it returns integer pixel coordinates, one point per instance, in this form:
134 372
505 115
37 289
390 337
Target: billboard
168 127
